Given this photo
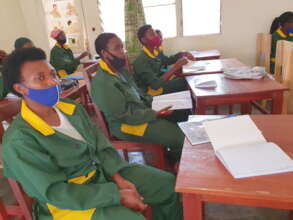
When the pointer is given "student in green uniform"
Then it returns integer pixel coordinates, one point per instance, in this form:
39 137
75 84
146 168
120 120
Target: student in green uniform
23 42
3 91
61 56
281 29
127 109
62 160
148 65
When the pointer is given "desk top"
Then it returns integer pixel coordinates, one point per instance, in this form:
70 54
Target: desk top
201 172
227 86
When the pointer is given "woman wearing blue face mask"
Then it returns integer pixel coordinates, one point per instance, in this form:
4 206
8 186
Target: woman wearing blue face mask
62 160
281 29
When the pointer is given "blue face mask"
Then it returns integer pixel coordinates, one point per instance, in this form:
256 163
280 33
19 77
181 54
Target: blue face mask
289 30
48 97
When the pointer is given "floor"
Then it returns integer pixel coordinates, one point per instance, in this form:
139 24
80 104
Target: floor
213 211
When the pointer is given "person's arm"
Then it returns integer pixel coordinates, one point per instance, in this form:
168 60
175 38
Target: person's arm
41 178
115 104
84 54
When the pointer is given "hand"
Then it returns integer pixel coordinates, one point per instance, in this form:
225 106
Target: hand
124 184
188 56
165 112
84 54
130 200
179 63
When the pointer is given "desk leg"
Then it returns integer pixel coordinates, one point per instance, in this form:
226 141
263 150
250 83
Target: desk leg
277 103
193 208
200 108
246 108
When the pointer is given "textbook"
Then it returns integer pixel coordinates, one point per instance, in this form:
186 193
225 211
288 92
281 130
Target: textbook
178 100
243 150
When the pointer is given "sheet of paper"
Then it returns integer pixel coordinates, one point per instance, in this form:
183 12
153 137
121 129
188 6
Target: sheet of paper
176 104
194 132
255 160
202 118
174 95
230 132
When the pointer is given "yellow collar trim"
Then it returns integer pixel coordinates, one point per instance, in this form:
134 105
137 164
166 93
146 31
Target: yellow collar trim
65 46
281 33
105 67
152 55
161 48
39 124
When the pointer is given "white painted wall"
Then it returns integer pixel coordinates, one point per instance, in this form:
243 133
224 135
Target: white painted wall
12 24
241 21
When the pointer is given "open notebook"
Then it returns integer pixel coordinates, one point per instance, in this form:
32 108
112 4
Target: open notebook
243 150
178 100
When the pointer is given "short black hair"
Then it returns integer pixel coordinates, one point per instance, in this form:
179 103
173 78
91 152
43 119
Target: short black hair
102 41
142 30
286 17
11 70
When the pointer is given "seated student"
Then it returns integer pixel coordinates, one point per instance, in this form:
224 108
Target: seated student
281 29
62 160
148 65
3 91
61 56
23 42
127 109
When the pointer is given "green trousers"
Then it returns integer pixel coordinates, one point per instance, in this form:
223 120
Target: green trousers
157 188
162 131
175 85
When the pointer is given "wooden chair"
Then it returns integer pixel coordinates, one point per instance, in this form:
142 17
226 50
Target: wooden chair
263 50
125 146
284 72
22 210
3 212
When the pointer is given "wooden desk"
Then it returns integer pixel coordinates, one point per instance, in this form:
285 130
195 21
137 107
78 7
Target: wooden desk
203 178
212 66
231 91
206 54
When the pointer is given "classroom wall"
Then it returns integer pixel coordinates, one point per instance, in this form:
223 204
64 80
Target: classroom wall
241 21
12 24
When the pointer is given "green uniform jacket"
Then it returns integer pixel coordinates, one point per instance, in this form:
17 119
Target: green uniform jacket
124 111
148 72
278 35
3 91
62 60
50 165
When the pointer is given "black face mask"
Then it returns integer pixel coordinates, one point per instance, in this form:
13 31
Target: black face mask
117 62
62 42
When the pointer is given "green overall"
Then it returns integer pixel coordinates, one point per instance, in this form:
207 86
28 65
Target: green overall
148 73
71 179
278 35
128 110
62 59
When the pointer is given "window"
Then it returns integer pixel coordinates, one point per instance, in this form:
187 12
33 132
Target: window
112 17
201 17
161 14
172 17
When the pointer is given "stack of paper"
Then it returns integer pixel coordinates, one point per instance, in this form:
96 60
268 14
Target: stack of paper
245 72
243 150
178 100
205 84
194 130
